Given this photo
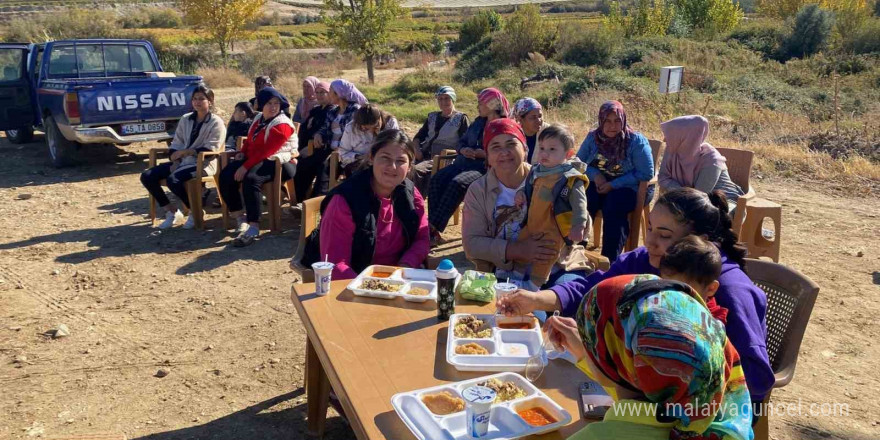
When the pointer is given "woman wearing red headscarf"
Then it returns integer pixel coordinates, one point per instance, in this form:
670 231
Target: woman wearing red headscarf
448 186
491 220
617 159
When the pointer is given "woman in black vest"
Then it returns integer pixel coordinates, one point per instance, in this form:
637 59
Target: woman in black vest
380 217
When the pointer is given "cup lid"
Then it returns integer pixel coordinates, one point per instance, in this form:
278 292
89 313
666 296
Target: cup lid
478 394
322 265
446 265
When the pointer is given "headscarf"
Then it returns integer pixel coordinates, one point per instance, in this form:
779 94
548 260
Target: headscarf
657 338
446 90
348 91
524 106
309 99
687 151
613 149
270 92
323 85
494 99
502 126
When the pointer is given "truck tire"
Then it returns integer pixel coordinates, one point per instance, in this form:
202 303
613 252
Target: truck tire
61 150
20 136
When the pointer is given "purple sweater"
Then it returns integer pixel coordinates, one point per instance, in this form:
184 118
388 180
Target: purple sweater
746 303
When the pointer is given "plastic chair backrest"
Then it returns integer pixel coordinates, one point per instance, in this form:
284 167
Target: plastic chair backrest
739 165
790 300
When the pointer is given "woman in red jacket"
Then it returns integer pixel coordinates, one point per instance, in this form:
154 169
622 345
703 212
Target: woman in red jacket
271 135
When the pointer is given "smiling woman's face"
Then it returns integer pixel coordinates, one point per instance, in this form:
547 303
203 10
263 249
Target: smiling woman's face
505 153
390 166
612 126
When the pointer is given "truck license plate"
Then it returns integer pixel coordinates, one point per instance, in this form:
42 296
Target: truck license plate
148 127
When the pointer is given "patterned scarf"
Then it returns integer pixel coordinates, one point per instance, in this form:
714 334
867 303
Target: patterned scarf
309 99
348 92
657 338
613 149
494 99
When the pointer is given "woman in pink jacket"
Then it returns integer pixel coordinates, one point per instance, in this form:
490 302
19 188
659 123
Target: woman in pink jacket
376 216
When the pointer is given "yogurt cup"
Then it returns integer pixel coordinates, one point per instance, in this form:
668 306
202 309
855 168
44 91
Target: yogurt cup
478 409
504 289
322 271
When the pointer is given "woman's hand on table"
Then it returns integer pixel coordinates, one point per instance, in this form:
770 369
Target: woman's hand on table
533 249
563 333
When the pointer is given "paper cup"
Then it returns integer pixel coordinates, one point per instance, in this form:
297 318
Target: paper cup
504 289
322 271
478 409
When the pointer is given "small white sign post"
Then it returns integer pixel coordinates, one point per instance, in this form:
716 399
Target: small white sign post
670 79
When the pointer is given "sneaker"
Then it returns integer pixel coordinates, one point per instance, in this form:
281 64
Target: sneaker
171 218
191 221
247 237
241 225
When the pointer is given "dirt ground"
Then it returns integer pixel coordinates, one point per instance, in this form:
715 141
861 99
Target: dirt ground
77 249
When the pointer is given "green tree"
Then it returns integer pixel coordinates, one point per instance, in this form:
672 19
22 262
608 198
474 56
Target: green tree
710 16
223 20
478 26
361 26
650 18
525 31
812 31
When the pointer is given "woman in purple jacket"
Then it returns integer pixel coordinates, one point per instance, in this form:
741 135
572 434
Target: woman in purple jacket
678 213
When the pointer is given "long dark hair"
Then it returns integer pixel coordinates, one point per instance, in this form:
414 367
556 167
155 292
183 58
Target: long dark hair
391 137
706 215
247 109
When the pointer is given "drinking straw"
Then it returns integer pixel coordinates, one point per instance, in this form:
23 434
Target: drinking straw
326 257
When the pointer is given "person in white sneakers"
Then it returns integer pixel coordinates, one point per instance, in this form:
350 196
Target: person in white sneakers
271 135
199 131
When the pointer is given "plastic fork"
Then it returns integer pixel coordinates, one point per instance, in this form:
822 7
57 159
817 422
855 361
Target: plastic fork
536 364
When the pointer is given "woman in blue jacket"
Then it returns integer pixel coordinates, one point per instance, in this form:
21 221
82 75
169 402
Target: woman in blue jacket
617 159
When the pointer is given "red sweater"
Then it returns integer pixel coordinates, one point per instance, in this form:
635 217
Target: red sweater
718 312
256 151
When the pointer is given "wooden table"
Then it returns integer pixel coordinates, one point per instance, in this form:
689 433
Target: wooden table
369 349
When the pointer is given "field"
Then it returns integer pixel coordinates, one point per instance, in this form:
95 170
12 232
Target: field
80 252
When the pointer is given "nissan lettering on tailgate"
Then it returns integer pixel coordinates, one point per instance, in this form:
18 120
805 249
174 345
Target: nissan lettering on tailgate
133 107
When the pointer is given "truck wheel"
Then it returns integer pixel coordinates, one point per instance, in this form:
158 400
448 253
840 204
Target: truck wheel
61 150
20 136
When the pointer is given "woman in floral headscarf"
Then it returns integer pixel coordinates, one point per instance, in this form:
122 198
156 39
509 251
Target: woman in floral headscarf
658 352
530 116
617 159
448 187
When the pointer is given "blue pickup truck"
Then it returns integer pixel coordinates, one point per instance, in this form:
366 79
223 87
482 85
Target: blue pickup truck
83 92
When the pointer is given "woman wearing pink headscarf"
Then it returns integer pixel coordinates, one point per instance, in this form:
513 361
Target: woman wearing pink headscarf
448 187
308 101
689 161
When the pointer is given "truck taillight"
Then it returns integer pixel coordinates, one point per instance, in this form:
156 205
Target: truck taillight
71 108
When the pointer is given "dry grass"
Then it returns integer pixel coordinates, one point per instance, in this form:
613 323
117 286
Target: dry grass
223 77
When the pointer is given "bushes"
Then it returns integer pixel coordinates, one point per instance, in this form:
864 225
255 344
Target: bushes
648 18
587 47
526 31
163 18
74 23
709 17
866 39
483 23
219 77
812 31
766 38
477 62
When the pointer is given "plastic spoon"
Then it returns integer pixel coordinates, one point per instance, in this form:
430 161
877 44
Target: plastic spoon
535 365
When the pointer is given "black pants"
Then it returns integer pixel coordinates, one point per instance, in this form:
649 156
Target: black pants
176 182
448 188
309 169
615 206
251 186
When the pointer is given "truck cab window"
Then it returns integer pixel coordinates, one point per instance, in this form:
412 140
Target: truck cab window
11 64
62 61
141 60
116 57
91 59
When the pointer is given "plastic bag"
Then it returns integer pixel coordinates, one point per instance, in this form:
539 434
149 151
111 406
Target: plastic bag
477 286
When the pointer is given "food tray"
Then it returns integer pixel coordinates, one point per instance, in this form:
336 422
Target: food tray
509 350
504 423
409 278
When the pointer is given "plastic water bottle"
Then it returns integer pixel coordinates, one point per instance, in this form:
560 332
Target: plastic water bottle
446 275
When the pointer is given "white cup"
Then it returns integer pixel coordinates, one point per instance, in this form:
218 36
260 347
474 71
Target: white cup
322 271
504 289
478 409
